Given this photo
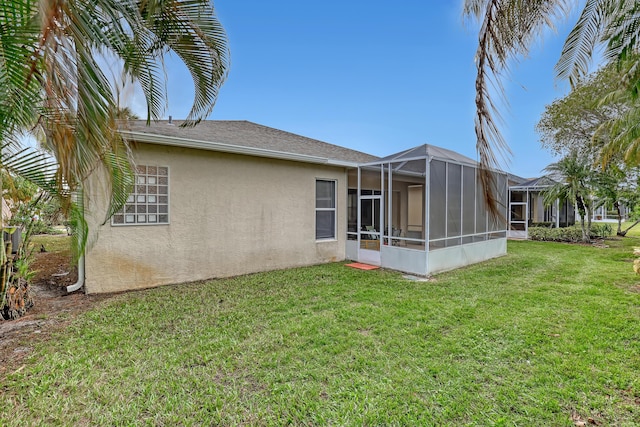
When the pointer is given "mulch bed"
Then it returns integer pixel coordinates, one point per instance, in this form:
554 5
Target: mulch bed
53 310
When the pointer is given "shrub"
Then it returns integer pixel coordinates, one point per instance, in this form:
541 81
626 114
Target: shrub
547 224
601 231
41 227
569 234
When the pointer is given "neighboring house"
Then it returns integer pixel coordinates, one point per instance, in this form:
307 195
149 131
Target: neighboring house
226 198
607 213
527 209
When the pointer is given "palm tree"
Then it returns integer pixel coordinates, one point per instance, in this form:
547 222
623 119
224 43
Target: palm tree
52 82
126 114
507 30
35 170
572 176
52 79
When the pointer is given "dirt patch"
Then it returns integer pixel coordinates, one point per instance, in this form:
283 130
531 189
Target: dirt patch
53 310
54 270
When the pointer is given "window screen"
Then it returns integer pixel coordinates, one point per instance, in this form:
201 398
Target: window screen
454 200
468 200
437 199
325 209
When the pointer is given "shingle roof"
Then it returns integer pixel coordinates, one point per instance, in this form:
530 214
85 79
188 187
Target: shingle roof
427 151
243 133
515 179
541 182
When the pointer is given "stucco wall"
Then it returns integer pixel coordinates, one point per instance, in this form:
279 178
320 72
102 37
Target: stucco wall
229 215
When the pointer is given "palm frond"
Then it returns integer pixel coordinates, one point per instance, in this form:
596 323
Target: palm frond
623 30
586 35
19 95
52 83
572 174
192 31
507 28
625 138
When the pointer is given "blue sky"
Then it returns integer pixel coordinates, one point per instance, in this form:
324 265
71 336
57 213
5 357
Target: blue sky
375 76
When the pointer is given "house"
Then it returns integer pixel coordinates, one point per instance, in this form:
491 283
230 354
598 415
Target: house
527 208
607 212
226 198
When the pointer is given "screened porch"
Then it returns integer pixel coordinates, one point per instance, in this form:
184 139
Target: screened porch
422 211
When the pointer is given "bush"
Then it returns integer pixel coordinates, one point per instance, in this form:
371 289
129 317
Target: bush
569 234
41 227
547 224
601 231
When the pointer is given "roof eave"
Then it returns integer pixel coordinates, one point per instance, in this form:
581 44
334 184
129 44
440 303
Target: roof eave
232 149
528 187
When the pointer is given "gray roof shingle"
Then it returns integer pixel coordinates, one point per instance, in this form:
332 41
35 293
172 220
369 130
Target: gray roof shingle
541 182
427 151
248 134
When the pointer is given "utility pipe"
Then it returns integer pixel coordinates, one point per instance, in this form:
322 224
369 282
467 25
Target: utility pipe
80 282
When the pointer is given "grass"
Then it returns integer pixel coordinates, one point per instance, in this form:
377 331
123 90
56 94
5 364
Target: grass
548 335
58 243
634 232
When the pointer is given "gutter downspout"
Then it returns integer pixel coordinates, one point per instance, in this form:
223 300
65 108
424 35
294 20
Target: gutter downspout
80 282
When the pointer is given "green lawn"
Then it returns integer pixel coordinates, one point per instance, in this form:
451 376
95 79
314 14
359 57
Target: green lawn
634 232
59 243
548 335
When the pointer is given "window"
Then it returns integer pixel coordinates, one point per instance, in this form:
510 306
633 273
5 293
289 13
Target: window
325 209
149 202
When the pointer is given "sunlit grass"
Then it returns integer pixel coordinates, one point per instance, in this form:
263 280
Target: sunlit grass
634 232
59 243
547 335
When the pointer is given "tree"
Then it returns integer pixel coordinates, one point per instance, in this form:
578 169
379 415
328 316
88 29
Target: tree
573 176
578 121
16 189
29 178
126 114
581 122
52 82
617 186
507 29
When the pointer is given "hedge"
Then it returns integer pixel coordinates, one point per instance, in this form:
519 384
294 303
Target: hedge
569 234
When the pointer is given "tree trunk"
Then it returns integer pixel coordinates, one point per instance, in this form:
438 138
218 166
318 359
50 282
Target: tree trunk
589 212
4 282
619 212
583 213
624 233
19 300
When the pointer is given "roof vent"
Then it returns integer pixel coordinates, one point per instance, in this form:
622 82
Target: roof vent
170 122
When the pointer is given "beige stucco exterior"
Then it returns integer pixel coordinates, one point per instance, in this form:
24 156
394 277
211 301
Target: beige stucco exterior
229 214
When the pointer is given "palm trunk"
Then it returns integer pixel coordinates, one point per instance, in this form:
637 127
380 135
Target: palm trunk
589 213
624 233
3 256
583 213
619 213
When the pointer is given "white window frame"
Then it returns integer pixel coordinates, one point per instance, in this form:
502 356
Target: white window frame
145 199
334 209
